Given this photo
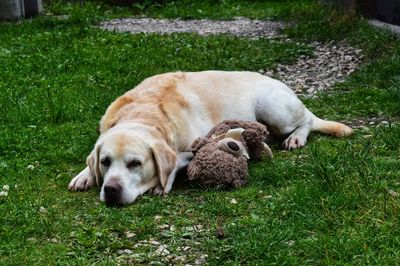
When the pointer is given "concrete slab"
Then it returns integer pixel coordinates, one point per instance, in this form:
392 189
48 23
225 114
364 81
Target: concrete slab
380 24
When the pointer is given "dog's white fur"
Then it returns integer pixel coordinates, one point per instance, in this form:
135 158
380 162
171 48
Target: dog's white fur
153 123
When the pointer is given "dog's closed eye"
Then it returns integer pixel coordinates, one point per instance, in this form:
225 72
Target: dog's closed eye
134 163
106 162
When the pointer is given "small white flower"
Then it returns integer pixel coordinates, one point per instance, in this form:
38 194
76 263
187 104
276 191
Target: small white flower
6 188
42 209
290 243
233 201
31 167
3 194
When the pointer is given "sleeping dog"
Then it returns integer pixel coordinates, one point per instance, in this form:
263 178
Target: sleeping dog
145 134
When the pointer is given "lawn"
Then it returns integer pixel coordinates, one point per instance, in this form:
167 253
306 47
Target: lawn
335 201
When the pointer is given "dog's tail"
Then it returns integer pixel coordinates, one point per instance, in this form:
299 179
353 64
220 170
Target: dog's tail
330 127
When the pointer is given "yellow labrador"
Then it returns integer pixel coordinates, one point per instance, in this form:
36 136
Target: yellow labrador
146 132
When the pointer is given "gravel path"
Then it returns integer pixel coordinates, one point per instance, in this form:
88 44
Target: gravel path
239 26
330 63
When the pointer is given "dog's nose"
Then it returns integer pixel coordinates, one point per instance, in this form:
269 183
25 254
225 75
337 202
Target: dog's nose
113 193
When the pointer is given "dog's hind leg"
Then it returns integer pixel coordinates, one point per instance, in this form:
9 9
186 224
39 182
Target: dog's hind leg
297 138
310 123
280 109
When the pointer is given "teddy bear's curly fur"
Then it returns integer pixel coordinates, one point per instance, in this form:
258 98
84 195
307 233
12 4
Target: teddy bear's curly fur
220 160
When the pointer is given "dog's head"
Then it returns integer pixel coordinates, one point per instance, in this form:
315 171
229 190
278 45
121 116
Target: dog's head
129 162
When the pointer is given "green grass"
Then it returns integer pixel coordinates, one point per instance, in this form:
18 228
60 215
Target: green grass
226 9
188 9
332 202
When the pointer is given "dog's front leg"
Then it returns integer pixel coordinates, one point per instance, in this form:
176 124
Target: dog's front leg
83 181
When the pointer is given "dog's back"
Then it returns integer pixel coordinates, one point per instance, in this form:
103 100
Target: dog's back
186 105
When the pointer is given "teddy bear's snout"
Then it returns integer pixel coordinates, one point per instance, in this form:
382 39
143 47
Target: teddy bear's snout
233 147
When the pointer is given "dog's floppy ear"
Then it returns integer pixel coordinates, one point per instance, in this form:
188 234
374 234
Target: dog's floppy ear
165 160
93 163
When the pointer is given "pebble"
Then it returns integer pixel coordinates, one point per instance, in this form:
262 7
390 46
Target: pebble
129 234
124 251
155 243
393 193
164 226
157 217
219 232
162 251
182 258
201 260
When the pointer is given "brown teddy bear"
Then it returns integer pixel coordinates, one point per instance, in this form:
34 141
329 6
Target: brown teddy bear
220 158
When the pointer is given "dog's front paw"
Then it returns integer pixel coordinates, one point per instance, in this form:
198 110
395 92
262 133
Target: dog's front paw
158 190
83 181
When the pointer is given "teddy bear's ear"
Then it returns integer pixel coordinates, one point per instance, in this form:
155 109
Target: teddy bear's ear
199 143
234 133
267 151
